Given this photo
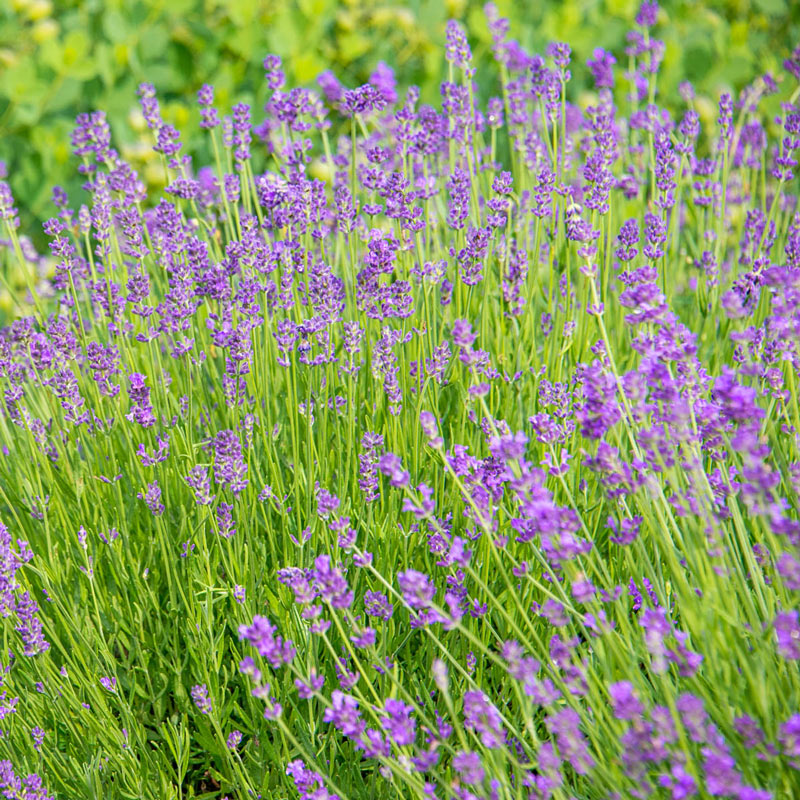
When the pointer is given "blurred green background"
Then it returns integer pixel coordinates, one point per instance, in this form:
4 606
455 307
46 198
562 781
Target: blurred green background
59 58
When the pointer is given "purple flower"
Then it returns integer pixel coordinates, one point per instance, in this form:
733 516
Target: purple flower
8 211
657 628
201 699
391 466
626 532
15 786
64 386
560 52
789 738
571 742
462 333
383 80
494 115
331 88
509 447
30 626
693 716
429 427
152 497
327 503
680 782
656 234
648 13
362 100
457 50
626 705
229 465
481 717
398 723
233 740
141 409
458 187
310 785
720 770
468 766
225 521
749 730
167 141
261 635
331 583
789 569
725 119
423 507
787 631
417 588
149 104
554 613
309 689
792 64
344 715
543 193
601 64
159 455
205 98
376 604
471 257
273 73
199 481
241 136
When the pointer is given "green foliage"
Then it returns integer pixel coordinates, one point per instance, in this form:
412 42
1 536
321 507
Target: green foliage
114 423
59 59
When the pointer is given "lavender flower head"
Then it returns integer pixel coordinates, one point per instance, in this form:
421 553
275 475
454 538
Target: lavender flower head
457 50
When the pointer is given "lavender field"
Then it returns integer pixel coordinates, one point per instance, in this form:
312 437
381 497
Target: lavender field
412 451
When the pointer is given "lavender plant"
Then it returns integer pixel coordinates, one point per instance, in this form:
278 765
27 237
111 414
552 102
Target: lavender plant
413 452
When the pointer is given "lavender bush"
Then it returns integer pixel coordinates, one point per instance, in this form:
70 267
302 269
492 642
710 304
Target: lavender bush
471 471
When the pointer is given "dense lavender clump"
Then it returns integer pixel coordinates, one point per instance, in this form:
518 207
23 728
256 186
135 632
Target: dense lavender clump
410 450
